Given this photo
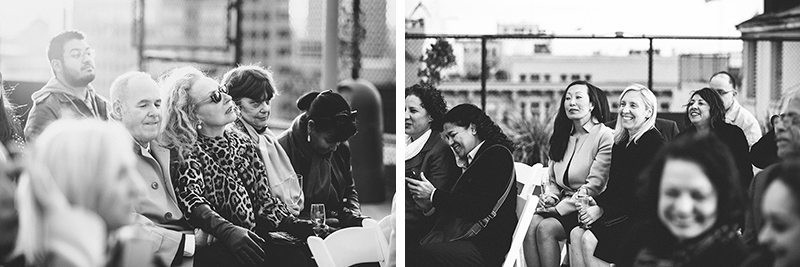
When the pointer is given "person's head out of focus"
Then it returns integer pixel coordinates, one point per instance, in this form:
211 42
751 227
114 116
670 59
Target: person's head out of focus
787 128
725 85
691 187
252 88
424 107
71 58
328 120
705 109
136 102
194 104
781 212
637 113
465 126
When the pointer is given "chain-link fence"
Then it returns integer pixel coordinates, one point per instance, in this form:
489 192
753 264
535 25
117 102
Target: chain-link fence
519 79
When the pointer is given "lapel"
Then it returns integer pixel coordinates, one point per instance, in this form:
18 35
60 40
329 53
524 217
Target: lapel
162 156
478 155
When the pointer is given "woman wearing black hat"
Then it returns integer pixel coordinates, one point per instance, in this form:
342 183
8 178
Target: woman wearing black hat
316 145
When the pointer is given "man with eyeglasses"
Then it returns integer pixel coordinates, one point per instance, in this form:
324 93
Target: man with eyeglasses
725 84
787 139
68 93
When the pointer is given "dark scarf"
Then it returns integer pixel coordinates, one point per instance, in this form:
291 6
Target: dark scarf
685 252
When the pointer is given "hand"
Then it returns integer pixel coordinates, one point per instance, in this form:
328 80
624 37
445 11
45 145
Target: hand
245 245
420 189
548 200
201 238
589 215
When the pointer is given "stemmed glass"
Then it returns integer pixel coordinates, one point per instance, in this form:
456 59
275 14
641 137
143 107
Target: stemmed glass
318 217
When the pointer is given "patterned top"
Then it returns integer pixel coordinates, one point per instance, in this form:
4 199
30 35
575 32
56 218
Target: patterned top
226 173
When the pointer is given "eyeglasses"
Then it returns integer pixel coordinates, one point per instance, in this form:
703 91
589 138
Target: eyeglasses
216 95
78 54
722 91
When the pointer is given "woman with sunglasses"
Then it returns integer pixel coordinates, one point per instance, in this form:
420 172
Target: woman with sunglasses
252 88
220 180
316 144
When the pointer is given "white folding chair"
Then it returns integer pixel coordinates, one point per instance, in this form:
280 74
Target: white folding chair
351 246
529 177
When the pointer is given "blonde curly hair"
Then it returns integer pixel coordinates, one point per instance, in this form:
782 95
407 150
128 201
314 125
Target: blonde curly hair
180 130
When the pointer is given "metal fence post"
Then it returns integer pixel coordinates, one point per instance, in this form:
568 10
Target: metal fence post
650 65
484 75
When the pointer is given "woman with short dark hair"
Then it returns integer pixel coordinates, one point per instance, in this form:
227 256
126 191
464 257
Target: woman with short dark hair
476 217
426 153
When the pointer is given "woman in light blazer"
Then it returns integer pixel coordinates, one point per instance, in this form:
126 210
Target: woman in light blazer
580 157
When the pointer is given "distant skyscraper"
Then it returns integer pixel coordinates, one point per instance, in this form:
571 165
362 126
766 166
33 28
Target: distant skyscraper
267 34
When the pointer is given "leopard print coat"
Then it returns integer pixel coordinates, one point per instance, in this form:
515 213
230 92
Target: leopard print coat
226 173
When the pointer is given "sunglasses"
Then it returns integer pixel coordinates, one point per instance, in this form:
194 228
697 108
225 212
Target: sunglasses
216 96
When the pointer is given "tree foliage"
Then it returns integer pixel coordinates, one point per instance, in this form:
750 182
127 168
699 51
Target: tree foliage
436 58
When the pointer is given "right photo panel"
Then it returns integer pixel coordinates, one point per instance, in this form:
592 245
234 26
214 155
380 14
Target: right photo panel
602 133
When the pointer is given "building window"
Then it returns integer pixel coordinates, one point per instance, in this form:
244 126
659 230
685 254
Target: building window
284 51
535 78
575 77
665 106
265 16
265 35
563 78
749 66
776 49
284 34
587 77
547 78
534 105
541 49
522 78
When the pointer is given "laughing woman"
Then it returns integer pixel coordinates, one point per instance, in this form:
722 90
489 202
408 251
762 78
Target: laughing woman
476 217
220 180
707 114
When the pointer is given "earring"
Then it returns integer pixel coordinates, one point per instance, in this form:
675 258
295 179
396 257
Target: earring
199 126
308 138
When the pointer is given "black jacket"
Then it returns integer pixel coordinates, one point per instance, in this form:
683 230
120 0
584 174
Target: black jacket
733 137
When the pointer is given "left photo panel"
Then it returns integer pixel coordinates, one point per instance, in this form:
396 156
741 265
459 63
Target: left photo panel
198 133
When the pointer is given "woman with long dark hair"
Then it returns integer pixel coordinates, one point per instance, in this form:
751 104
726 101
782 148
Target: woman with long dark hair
580 156
476 217
706 114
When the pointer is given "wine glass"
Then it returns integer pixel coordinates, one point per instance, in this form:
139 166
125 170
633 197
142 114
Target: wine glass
318 217
300 180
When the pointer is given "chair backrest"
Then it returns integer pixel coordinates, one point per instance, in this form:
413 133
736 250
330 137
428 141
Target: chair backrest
529 176
351 246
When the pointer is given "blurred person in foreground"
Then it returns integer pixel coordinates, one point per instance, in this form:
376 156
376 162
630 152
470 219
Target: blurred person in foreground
580 158
426 154
252 88
726 86
706 113
68 93
220 180
78 191
477 215
136 103
787 140
781 212
317 145
636 142
692 203
10 128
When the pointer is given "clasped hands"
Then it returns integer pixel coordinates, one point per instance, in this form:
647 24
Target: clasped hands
421 191
586 214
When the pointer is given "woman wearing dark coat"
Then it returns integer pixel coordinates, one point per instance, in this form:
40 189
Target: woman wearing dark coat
476 217
706 114
316 145
426 154
636 142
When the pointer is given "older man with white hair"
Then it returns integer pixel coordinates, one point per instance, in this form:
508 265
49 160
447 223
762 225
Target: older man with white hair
136 102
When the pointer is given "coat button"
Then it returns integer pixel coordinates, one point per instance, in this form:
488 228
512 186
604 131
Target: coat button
168 215
154 185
